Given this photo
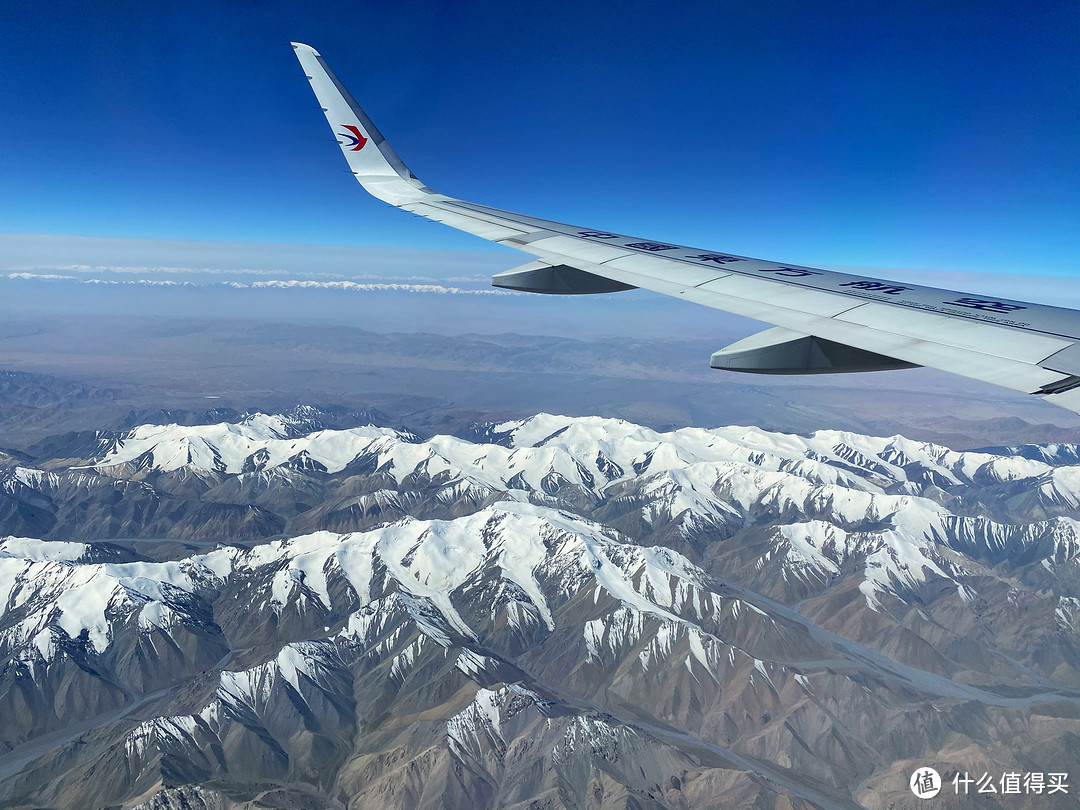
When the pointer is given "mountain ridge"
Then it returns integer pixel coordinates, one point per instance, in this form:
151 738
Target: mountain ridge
570 611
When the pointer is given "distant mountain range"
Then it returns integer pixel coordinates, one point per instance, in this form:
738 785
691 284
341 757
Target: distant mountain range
307 610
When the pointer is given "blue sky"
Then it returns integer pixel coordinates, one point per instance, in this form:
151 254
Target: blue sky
918 134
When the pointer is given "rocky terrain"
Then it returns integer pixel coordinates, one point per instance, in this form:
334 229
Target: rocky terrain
307 610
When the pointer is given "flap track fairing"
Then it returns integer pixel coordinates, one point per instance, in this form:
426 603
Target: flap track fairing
558 279
784 351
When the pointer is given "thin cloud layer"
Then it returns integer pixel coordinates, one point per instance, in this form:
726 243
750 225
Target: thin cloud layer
131 256
287 284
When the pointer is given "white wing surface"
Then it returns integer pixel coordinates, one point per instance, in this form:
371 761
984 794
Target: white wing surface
826 322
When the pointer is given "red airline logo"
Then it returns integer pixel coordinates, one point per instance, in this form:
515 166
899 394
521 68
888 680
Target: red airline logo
354 135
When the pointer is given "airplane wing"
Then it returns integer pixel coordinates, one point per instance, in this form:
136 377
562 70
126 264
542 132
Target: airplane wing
824 322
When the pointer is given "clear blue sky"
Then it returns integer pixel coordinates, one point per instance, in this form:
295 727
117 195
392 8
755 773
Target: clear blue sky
915 134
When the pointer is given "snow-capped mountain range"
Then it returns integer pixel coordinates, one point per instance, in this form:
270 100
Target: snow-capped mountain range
572 611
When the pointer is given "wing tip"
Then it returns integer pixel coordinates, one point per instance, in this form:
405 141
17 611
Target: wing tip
297 46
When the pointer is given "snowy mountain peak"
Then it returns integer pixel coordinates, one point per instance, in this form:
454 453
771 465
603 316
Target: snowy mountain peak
558 606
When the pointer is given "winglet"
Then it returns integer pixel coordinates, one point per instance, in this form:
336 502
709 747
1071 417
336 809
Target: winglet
374 163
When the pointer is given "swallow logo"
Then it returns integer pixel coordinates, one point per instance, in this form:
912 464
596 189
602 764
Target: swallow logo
355 136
